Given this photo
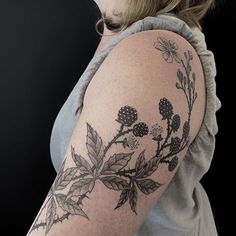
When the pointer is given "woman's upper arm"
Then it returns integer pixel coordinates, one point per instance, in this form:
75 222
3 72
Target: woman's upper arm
141 111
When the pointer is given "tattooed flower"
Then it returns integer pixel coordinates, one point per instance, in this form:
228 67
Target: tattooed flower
175 144
156 132
186 129
173 164
175 122
168 49
131 142
166 108
140 129
127 115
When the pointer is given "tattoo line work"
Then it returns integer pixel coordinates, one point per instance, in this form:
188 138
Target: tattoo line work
112 171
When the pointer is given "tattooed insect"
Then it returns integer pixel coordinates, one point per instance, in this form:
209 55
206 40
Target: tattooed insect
74 184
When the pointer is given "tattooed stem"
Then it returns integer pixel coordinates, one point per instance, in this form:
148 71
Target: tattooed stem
119 142
169 132
120 133
125 172
57 220
36 226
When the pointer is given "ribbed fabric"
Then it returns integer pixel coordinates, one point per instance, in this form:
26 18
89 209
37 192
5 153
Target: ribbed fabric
184 208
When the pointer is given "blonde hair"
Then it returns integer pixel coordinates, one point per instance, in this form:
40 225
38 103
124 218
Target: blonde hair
191 11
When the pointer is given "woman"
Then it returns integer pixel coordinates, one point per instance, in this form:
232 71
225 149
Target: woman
137 132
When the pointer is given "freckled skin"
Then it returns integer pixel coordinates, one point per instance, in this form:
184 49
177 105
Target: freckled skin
73 186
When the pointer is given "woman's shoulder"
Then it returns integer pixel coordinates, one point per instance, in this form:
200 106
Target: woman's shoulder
152 64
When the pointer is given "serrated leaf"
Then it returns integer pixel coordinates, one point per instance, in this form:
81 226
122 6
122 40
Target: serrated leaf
133 198
94 146
81 187
140 161
148 168
51 213
70 206
65 178
147 186
114 183
116 162
123 198
81 163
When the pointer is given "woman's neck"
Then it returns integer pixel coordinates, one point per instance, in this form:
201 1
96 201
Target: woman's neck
106 5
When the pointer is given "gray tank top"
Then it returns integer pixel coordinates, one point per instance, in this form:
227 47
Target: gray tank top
184 208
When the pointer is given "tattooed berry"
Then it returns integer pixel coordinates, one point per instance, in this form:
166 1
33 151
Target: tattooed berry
186 129
127 115
166 108
140 129
173 163
175 122
175 144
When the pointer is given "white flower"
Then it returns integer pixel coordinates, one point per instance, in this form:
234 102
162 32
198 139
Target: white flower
168 49
156 132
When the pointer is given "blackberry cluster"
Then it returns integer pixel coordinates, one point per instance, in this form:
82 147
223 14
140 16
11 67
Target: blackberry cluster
140 129
175 144
175 122
166 108
173 163
127 115
186 129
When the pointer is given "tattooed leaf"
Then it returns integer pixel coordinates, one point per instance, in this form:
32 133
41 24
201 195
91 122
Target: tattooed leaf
148 168
133 197
140 162
51 213
70 206
65 178
81 163
185 81
190 54
81 187
95 147
180 76
116 162
114 183
178 85
123 198
147 186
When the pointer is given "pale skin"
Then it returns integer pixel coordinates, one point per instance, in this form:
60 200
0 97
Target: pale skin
106 187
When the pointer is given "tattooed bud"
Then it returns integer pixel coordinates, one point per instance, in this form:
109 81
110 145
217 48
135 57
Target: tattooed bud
186 129
166 108
140 129
173 164
175 122
130 142
175 144
127 115
190 55
156 132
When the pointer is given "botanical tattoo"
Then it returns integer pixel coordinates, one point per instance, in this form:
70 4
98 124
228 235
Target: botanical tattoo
74 184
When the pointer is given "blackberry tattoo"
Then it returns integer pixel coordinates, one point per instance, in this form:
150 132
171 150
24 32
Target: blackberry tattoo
72 185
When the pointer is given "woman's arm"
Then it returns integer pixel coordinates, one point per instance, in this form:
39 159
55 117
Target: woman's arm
141 111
